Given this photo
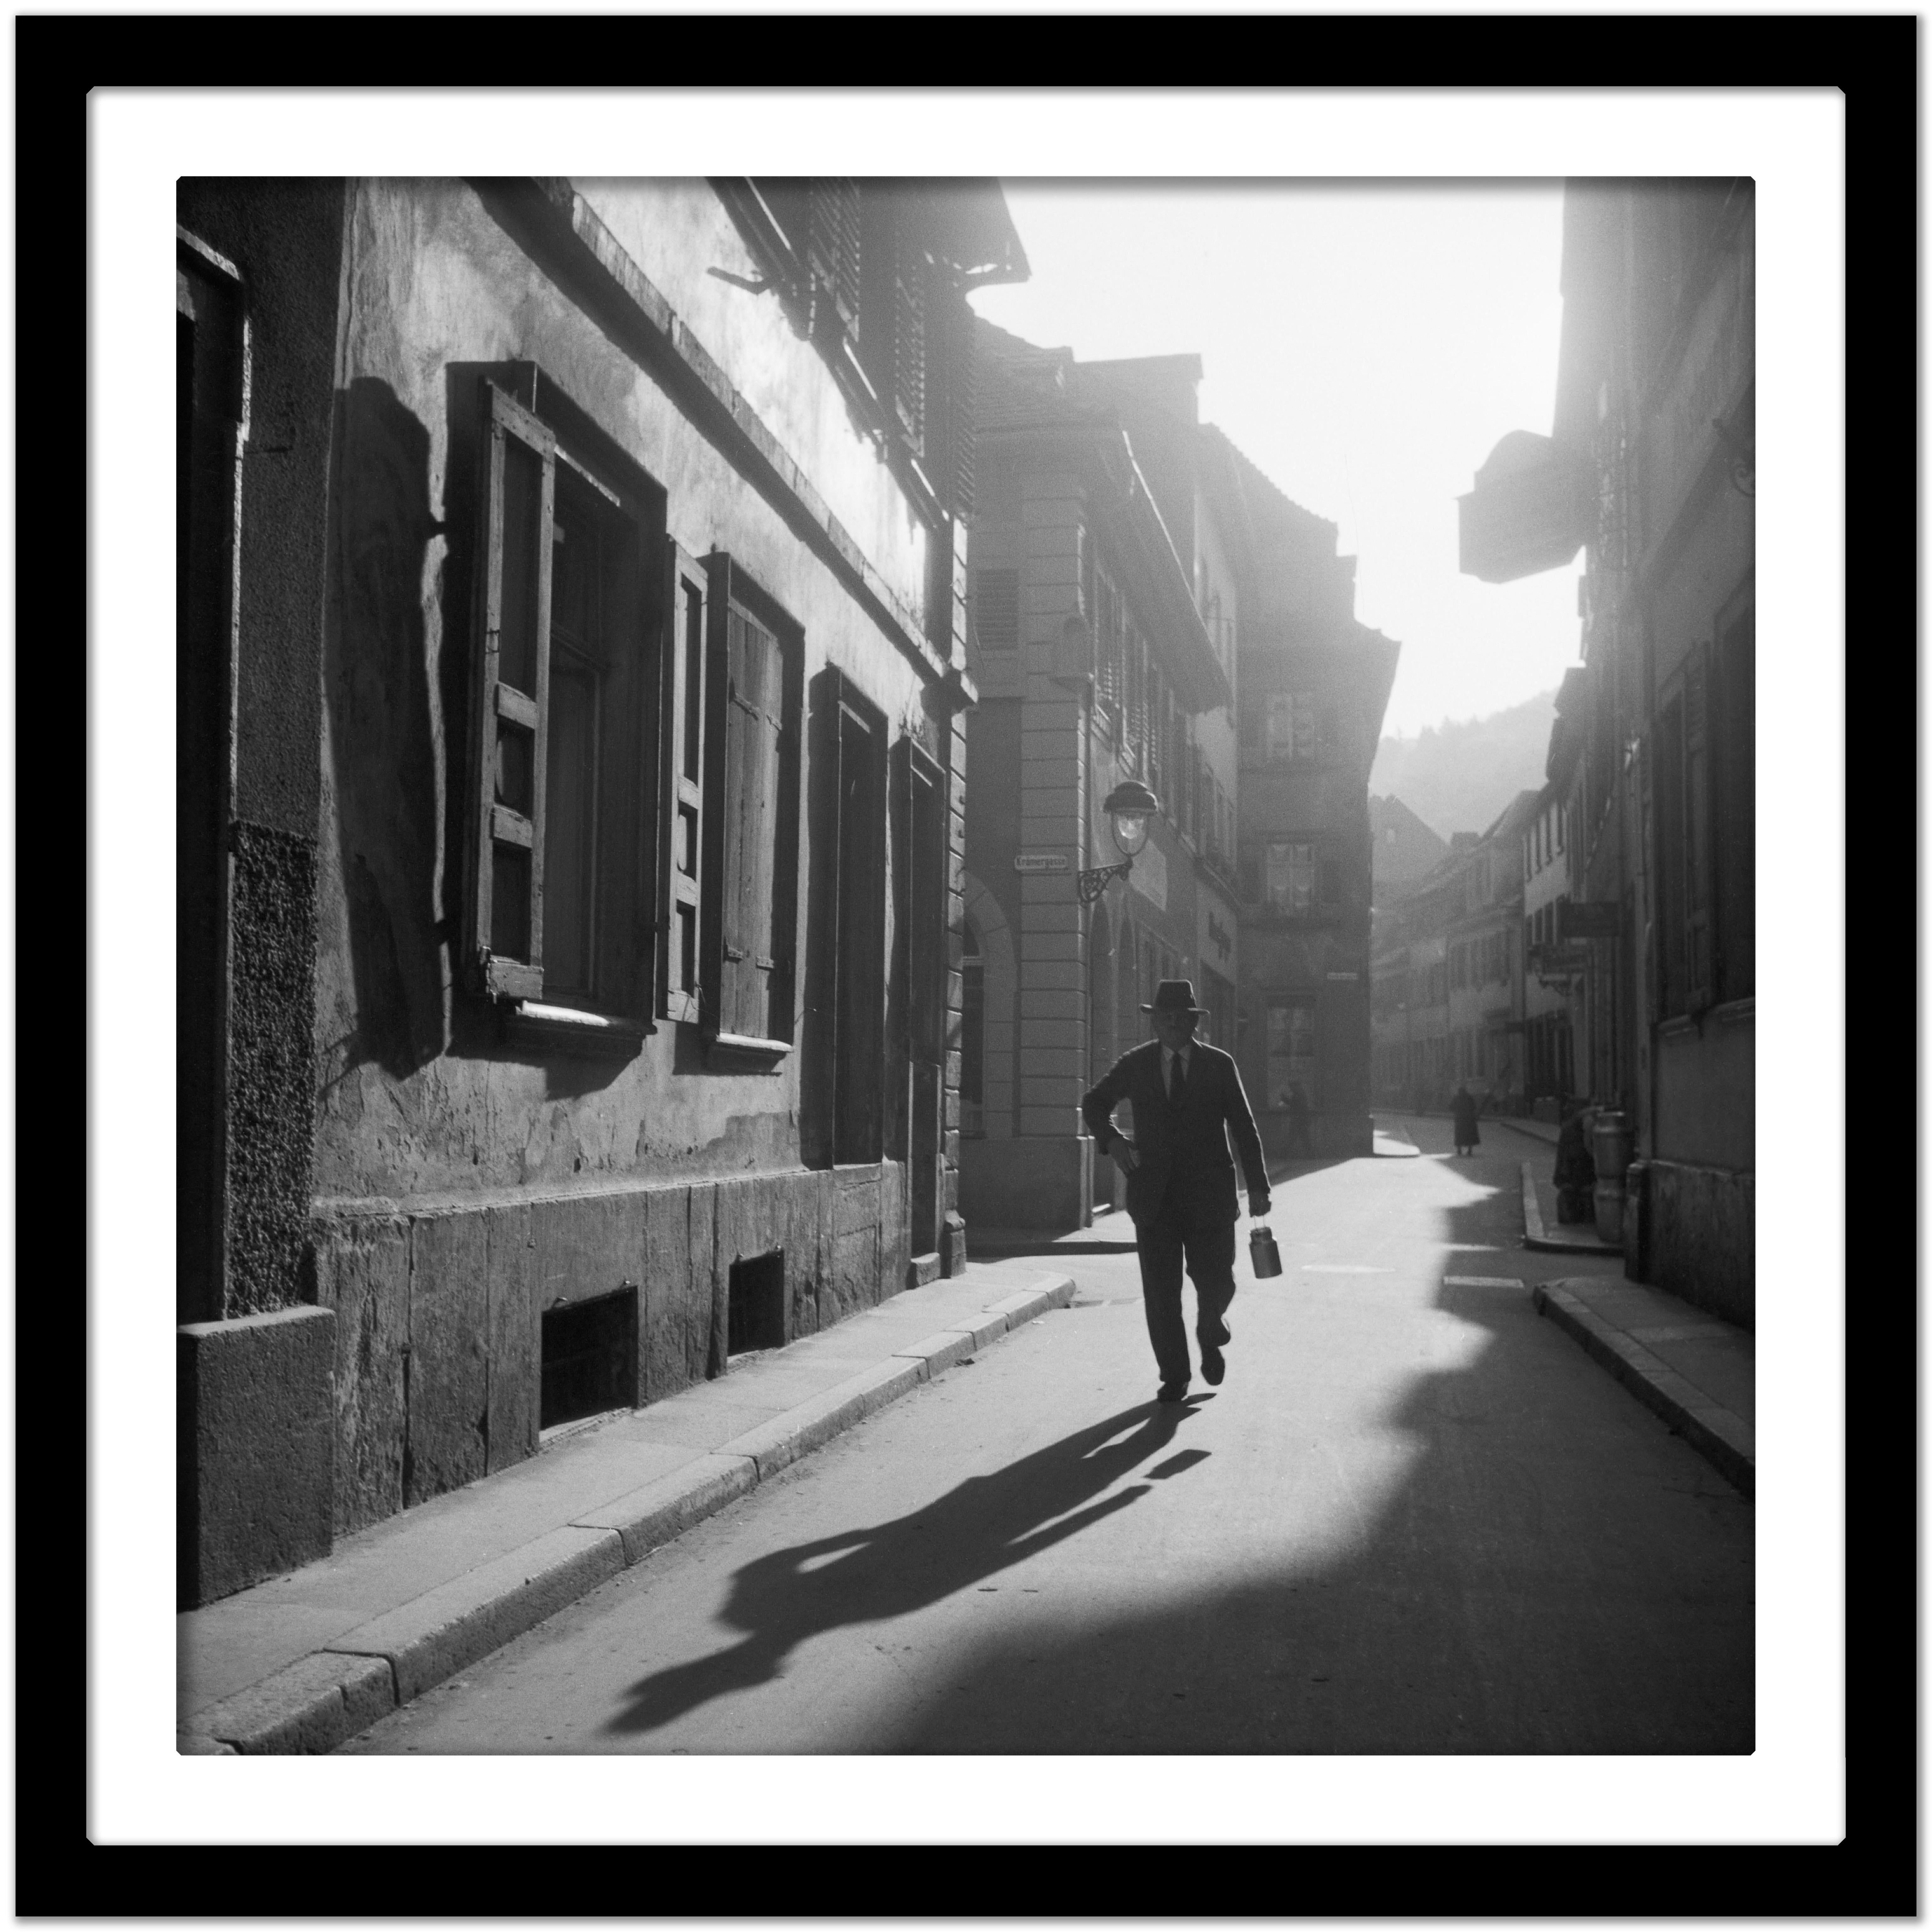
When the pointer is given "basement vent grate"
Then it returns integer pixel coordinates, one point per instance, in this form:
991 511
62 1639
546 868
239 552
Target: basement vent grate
589 1357
756 1317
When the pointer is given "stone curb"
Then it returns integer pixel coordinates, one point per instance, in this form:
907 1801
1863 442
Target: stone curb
1536 1233
1020 1246
660 1511
310 1705
776 1444
435 1635
324 1699
1724 1439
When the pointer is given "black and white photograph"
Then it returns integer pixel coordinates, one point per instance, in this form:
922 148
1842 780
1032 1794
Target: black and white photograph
966 969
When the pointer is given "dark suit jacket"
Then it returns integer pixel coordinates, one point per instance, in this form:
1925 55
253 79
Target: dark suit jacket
1184 1160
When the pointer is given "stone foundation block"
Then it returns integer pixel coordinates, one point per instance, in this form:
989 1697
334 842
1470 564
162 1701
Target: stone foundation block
256 1468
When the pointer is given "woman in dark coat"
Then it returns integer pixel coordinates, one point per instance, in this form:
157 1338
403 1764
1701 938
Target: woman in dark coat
1575 1173
1464 1107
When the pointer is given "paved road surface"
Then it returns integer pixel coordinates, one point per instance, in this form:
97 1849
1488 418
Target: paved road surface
1415 1518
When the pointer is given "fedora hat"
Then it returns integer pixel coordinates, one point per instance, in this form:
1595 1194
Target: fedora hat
1173 996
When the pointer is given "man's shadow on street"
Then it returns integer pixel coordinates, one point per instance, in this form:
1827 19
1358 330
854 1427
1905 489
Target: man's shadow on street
984 1525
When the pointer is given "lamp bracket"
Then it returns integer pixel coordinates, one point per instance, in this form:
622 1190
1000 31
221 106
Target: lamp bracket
1092 884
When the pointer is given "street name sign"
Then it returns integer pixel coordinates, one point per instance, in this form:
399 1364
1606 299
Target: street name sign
1041 862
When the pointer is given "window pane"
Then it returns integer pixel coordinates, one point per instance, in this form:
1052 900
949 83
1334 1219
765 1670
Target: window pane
523 500
516 767
576 573
569 839
694 688
510 902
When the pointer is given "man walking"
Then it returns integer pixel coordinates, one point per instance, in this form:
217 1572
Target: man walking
1186 1097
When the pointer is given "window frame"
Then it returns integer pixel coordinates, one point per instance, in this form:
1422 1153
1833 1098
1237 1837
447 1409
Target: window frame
684 715
495 703
729 587
517 406
1284 713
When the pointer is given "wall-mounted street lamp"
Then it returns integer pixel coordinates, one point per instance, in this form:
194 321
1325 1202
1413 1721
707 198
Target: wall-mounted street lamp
1130 808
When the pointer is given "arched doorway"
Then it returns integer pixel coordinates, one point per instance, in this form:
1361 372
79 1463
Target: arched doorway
972 1035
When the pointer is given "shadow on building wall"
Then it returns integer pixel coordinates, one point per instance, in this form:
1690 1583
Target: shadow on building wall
381 732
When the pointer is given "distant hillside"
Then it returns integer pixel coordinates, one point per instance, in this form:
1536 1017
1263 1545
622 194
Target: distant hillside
1456 776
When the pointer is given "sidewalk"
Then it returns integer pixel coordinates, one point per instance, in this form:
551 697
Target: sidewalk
305 1661
1698 1372
1541 1229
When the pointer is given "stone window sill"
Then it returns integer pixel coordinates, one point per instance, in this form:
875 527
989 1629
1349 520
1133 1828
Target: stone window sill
741 1053
567 1030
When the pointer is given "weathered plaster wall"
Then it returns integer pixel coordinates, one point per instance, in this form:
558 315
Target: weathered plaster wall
676 232
1713 555
420 1103
284 237
1706 1078
463 1185
993 801
1699 1237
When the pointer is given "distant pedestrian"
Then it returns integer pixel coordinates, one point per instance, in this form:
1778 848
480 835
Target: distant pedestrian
1187 1098
1576 1175
1297 1103
1463 1106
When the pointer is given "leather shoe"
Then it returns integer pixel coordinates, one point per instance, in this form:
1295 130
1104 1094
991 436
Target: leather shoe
1213 1367
1173 1392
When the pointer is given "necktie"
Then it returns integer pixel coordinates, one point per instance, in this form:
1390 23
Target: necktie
1177 1087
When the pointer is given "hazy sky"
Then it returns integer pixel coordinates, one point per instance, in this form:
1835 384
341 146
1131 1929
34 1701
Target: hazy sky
1365 345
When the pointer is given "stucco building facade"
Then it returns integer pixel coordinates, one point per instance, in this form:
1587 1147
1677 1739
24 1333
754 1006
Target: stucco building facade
1314 685
1650 469
1104 605
1450 992
576 591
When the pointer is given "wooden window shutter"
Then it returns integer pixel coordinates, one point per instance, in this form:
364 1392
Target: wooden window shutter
963 404
908 326
1698 977
510 705
685 738
832 243
754 723
951 390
